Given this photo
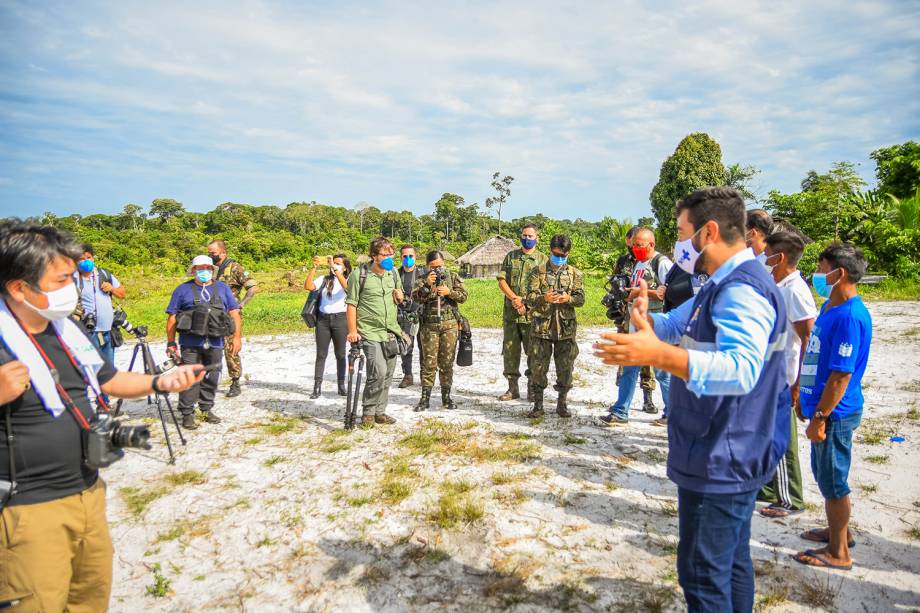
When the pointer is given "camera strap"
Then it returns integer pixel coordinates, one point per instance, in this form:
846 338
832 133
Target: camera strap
6 356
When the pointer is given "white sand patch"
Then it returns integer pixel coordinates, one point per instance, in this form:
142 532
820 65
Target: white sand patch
291 517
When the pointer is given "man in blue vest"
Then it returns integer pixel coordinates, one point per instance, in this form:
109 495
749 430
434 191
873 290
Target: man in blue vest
726 395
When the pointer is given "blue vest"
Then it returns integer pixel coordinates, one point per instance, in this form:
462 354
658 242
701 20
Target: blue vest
730 444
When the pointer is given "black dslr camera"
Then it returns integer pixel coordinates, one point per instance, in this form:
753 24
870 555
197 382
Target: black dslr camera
439 276
615 298
105 441
89 321
407 314
120 320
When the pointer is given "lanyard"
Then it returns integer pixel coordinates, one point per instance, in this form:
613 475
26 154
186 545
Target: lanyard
68 401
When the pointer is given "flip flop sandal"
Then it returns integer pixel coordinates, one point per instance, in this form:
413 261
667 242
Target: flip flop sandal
775 511
811 557
815 536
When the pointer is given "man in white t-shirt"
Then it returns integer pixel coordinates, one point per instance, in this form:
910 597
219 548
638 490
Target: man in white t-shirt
783 251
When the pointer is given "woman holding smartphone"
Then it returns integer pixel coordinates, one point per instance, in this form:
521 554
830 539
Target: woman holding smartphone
331 324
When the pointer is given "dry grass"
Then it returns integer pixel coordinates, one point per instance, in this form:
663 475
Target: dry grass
820 593
456 505
877 459
281 424
399 480
138 499
437 437
186 530
186 477
334 442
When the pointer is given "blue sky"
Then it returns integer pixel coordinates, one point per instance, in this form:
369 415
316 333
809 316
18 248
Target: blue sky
394 103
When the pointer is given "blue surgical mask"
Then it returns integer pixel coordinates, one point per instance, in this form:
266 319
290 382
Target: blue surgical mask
386 263
819 282
408 261
528 243
558 260
204 275
87 265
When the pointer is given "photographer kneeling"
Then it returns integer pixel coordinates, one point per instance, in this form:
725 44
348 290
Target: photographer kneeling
203 312
55 549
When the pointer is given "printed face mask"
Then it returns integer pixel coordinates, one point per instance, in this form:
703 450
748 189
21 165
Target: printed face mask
686 255
204 275
387 263
86 265
558 260
819 282
528 243
61 303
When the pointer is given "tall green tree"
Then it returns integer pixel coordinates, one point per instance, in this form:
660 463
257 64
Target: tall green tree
897 169
502 187
695 163
739 178
166 209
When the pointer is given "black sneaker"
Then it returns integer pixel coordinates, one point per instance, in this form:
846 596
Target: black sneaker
613 420
211 418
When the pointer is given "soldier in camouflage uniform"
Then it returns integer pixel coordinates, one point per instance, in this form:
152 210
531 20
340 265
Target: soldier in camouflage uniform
512 280
554 291
438 332
233 274
624 266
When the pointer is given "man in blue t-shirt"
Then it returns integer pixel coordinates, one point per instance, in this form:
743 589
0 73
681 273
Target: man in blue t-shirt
831 396
201 291
97 286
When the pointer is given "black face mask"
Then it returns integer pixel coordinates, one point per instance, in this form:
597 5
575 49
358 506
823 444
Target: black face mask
215 259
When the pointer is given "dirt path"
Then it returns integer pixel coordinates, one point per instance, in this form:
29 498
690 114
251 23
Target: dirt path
276 509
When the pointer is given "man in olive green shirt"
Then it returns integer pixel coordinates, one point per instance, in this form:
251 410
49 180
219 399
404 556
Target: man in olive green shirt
373 292
512 281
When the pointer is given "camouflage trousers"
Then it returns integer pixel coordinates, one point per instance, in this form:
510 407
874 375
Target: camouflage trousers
515 337
234 363
646 375
564 352
439 348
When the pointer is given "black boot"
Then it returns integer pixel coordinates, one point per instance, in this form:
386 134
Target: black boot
537 410
342 391
210 417
188 421
317 389
529 391
234 388
424 401
446 402
648 405
513 392
562 409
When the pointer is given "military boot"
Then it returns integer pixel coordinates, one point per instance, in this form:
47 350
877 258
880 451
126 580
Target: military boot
537 410
562 409
188 421
446 401
513 392
424 401
342 390
529 391
234 388
407 381
210 417
317 389
648 406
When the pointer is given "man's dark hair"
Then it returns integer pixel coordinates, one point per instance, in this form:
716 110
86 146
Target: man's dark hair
759 219
433 255
846 256
781 225
531 226
561 242
787 243
87 248
722 205
632 231
407 246
27 249
379 244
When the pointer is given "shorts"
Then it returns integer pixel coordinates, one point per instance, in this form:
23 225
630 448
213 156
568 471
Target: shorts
830 460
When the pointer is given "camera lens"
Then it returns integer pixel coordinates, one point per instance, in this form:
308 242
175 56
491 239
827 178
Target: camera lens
132 437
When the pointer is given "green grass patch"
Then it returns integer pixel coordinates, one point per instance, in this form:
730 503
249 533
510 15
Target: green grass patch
186 529
253 441
280 424
877 459
453 509
358 501
399 480
890 290
571 439
137 499
160 588
275 459
868 488
334 442
914 533
504 478
436 437
186 477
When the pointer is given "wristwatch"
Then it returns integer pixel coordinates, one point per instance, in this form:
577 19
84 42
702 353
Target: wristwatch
153 384
818 415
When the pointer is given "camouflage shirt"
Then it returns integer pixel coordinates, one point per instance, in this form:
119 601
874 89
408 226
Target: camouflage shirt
515 270
236 277
429 300
554 321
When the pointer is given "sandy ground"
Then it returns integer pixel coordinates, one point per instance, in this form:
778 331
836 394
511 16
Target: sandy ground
273 510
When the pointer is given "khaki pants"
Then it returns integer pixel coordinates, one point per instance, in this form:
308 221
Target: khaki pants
57 556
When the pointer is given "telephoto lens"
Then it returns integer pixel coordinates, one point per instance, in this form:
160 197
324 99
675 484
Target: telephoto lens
131 437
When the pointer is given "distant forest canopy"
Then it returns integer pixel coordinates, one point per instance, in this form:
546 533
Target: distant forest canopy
884 221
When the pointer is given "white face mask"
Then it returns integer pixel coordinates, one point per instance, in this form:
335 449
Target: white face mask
61 303
686 255
336 267
769 267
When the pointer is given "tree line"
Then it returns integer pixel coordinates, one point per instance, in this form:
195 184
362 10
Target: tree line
836 204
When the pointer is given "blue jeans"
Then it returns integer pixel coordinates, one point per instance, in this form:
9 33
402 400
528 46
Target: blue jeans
714 565
105 348
627 388
830 460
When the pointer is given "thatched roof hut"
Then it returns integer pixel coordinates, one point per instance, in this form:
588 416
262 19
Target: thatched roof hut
448 256
485 259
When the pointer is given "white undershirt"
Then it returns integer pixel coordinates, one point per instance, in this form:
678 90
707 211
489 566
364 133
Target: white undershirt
334 303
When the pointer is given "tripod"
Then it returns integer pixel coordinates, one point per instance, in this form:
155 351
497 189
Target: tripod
355 364
142 350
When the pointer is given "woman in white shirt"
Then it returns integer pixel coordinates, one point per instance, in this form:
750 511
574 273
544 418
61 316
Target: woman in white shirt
331 324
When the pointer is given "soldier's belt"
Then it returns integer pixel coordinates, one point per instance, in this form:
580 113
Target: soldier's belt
434 319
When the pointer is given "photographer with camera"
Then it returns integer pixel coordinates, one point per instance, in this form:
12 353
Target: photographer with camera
97 286
204 312
651 267
408 314
55 432
374 291
439 293
331 325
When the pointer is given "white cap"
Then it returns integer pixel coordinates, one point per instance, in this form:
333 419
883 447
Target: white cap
200 260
